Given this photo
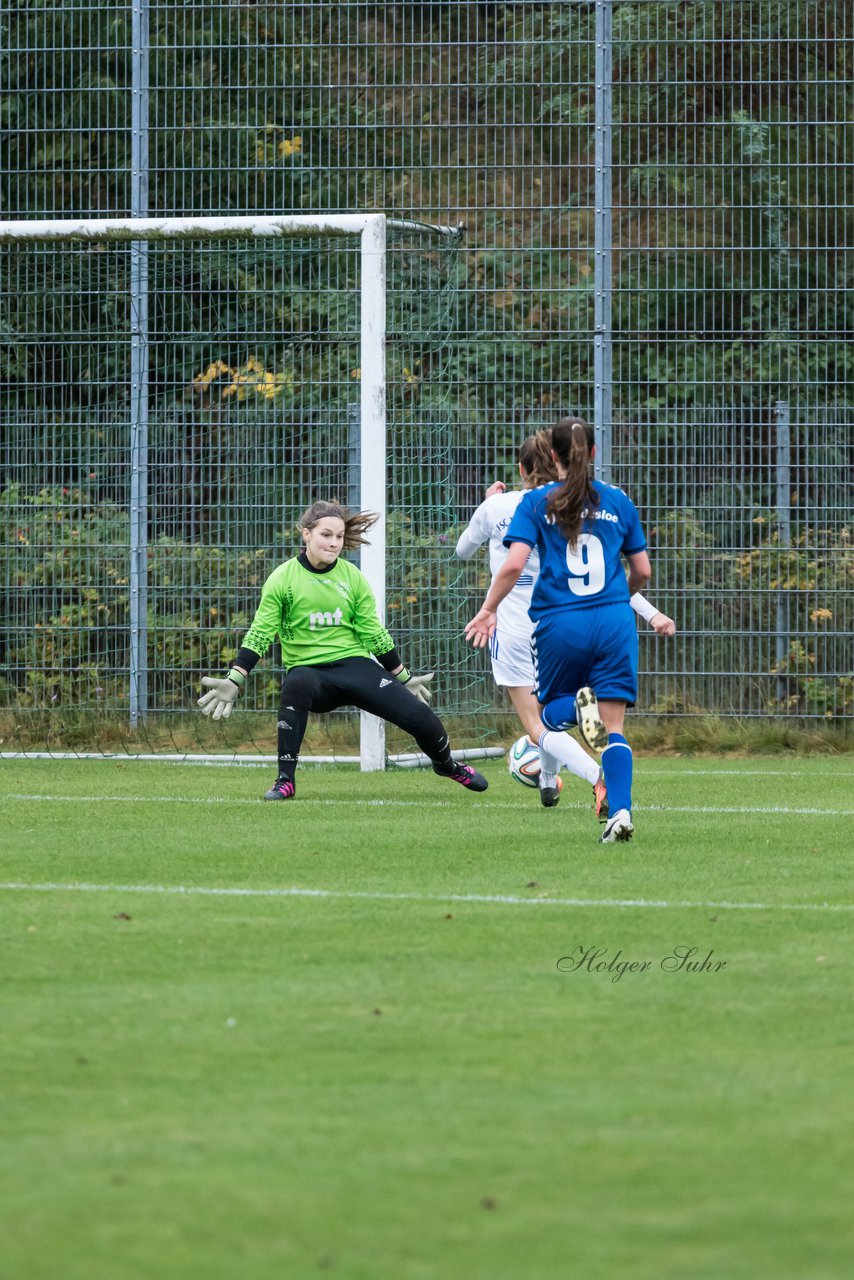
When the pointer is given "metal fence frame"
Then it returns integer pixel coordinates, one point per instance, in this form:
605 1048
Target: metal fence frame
595 77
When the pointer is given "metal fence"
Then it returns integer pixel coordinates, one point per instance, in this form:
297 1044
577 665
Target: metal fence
659 210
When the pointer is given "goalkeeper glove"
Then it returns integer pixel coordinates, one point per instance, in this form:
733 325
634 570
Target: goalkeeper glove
418 686
222 694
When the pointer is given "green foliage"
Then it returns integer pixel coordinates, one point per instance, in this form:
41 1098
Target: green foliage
794 599
65 557
745 288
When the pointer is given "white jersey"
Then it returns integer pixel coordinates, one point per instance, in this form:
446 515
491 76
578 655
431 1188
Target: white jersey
489 524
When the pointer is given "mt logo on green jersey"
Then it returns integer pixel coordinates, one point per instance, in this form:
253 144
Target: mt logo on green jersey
325 619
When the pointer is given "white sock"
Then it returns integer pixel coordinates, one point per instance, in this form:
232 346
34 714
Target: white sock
569 753
549 766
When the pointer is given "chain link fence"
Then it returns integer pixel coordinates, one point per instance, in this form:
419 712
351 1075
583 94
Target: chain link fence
659 211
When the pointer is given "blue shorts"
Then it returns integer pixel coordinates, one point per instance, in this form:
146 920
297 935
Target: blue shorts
596 647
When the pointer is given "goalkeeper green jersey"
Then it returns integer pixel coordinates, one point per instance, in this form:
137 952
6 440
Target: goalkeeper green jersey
317 617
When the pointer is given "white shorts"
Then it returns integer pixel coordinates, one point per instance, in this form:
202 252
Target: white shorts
512 664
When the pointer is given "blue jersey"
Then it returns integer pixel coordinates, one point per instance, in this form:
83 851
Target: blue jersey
591 572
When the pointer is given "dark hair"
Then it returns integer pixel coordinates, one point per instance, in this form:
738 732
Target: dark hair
355 526
572 442
535 458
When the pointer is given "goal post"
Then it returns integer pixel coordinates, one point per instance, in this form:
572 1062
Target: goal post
373 452
370 228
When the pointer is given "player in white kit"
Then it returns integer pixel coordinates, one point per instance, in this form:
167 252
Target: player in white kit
510 646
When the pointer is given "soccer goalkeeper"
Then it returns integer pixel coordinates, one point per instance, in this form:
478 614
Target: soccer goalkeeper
323 612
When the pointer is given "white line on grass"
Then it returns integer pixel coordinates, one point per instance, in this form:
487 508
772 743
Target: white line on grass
493 898
422 804
733 773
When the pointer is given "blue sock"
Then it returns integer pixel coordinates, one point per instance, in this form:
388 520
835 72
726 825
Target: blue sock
560 713
617 767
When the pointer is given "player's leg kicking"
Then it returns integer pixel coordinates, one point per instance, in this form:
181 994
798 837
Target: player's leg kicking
371 689
361 683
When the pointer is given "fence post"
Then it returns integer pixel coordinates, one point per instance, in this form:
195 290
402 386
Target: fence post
784 536
603 390
139 358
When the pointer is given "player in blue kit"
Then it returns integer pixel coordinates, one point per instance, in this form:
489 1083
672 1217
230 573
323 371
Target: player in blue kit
510 645
584 640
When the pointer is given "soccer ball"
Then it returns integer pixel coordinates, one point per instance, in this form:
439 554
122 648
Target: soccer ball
523 761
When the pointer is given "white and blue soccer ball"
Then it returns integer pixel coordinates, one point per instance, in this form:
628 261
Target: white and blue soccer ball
523 761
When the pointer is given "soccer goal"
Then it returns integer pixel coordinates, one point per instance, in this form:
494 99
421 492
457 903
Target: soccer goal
181 387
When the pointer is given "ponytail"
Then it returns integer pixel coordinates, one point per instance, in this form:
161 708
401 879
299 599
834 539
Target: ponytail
535 459
355 526
572 442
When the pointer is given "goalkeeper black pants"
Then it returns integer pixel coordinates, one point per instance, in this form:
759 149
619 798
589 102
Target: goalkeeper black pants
353 682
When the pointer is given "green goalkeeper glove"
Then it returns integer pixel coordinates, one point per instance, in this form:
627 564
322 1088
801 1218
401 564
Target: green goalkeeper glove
418 686
221 696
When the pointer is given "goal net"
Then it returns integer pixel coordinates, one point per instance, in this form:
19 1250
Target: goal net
173 393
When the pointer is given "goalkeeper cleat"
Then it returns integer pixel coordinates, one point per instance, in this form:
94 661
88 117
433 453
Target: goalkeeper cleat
590 726
282 789
618 828
600 799
462 773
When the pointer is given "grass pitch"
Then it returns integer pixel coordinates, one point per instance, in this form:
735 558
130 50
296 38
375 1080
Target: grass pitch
374 1033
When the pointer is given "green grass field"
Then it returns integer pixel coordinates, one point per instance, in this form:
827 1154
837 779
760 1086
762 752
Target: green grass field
333 1037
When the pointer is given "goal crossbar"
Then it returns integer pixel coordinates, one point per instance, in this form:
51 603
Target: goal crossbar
228 227
139 232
